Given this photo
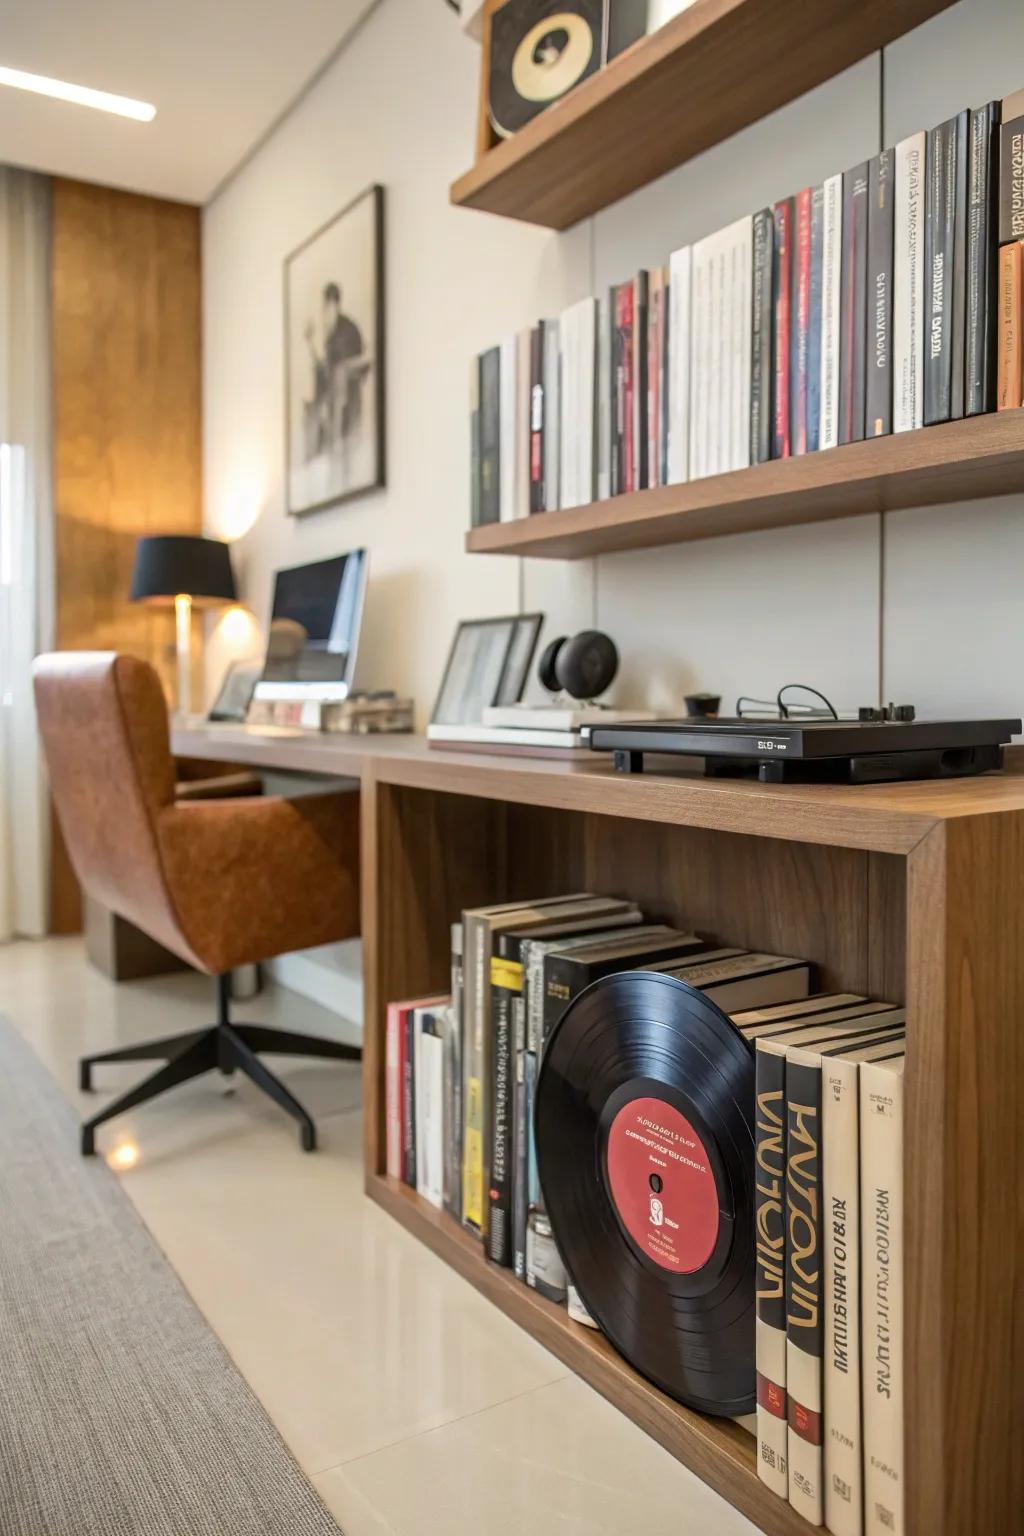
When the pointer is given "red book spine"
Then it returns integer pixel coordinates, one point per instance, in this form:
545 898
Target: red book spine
801 321
782 286
628 387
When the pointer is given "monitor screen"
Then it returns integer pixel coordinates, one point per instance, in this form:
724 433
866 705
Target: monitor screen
314 628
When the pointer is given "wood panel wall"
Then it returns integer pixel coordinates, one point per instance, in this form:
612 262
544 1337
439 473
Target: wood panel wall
126 326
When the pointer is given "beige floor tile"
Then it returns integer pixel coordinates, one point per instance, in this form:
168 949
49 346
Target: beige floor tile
559 1461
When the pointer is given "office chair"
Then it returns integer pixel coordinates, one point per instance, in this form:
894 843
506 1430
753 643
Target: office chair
222 883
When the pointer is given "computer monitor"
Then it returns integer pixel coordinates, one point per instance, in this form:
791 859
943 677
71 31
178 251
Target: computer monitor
314 629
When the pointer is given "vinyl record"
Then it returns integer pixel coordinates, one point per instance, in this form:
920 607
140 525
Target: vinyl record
645 1150
539 50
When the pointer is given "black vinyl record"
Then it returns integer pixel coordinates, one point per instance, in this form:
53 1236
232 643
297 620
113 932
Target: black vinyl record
645 1150
539 50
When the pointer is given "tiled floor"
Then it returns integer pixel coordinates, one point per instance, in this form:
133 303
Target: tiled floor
415 1406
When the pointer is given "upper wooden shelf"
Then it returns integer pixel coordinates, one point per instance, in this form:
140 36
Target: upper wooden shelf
958 461
716 68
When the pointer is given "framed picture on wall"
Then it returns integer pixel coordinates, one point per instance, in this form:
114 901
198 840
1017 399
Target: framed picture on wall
334 359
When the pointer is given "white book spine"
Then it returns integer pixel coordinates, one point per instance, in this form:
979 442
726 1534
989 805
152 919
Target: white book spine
586 397
507 453
698 359
523 421
840 1196
418 1101
430 1110
604 399
567 350
716 372
881 1134
393 1097
831 281
552 415
908 285
678 371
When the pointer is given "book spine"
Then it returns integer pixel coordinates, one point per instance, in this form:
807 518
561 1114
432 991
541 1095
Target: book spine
982 283
490 436
456 1050
507 425
506 983
523 418
474 964
429 1112
640 308
840 1221
552 420
698 364
653 380
881 1170
804 1337
958 317
853 325
1011 181
908 285
718 416
568 331
474 443
801 321
409 1098
537 491
1009 396
831 279
739 341
939 219
761 339
587 401
604 399
770 1236
666 342
878 386
782 281
393 1095
520 1143
814 323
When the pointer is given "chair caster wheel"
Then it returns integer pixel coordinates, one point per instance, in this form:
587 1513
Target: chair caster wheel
308 1136
88 1141
85 1077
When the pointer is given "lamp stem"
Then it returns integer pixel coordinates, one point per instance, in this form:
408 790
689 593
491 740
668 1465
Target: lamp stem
183 631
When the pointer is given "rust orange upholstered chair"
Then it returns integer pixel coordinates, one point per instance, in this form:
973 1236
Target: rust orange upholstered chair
221 883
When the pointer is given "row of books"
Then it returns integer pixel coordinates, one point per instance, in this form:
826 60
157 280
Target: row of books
862 306
828 1219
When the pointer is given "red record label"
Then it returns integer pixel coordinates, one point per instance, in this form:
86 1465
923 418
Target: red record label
662 1186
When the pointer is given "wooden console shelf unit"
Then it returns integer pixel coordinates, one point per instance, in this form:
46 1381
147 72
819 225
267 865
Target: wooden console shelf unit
718 67
957 461
913 892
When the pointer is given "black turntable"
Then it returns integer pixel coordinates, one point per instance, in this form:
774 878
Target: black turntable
809 751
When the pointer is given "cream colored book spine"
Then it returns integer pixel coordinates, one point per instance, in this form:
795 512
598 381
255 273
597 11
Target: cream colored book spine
881 1138
843 1445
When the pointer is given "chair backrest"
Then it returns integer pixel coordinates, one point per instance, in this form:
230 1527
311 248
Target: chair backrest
103 722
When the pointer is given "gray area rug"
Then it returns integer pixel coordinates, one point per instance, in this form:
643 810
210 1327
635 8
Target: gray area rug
120 1412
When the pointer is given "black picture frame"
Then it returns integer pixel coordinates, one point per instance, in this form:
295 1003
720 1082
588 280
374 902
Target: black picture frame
323 415
499 673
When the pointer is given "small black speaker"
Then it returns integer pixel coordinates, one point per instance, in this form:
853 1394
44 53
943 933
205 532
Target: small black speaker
582 665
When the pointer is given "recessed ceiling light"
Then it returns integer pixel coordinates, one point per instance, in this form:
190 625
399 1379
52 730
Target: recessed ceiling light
81 95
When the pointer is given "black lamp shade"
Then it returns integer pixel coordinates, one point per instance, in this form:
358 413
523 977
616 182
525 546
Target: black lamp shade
167 565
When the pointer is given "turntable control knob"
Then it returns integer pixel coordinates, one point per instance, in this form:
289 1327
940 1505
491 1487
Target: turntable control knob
903 712
868 714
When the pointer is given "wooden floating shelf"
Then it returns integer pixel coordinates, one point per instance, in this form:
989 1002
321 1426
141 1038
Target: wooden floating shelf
958 461
716 68
721 1452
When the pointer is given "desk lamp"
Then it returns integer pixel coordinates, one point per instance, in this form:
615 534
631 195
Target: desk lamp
187 571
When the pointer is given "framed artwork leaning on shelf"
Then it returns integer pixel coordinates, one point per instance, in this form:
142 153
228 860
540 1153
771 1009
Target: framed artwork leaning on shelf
334 359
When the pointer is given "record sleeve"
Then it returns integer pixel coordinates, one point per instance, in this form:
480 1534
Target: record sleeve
540 49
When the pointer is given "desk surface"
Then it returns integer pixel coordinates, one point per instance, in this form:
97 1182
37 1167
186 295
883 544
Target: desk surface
886 818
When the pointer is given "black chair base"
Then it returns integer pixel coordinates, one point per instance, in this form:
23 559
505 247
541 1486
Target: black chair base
223 1047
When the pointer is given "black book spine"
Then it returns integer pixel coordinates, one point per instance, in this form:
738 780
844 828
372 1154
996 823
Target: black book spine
878 385
474 444
490 436
537 500
409 1101
761 340
982 258
770 1284
804 1323
1011 181
562 982
939 210
641 309
853 305
506 991
958 318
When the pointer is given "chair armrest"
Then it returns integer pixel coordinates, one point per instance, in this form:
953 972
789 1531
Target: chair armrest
254 878
224 786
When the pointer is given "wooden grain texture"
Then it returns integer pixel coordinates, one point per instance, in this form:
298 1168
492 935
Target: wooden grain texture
881 818
955 461
717 67
964 1281
720 1452
125 287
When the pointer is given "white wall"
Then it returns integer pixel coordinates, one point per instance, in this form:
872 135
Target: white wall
920 606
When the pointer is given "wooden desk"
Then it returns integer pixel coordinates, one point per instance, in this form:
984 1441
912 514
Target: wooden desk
913 892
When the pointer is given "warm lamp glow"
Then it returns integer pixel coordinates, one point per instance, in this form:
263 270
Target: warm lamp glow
124 1156
238 630
239 514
